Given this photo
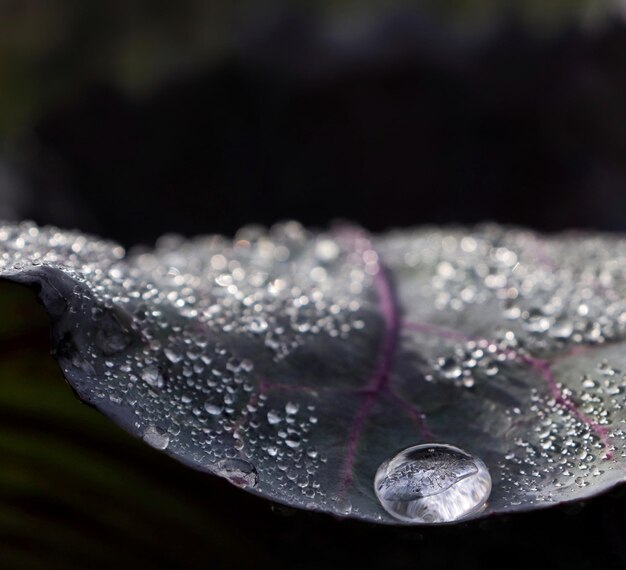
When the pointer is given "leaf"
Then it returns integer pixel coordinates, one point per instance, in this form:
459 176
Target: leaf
294 363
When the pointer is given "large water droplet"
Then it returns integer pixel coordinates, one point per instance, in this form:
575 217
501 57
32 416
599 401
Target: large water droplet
432 483
238 471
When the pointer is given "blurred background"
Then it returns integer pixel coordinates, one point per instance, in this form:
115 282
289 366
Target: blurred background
129 119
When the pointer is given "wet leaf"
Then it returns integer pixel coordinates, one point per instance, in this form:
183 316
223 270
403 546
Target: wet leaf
295 363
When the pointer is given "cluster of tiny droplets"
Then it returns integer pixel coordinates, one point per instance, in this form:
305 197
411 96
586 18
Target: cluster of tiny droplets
546 299
279 287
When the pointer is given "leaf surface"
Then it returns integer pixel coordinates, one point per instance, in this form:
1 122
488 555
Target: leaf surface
294 363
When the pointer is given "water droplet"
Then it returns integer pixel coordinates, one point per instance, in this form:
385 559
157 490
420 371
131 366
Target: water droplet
257 325
156 437
273 417
238 471
153 377
449 368
213 409
172 355
432 483
293 441
111 341
326 250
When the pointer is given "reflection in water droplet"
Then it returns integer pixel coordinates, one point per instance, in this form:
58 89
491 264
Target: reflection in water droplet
432 483
238 471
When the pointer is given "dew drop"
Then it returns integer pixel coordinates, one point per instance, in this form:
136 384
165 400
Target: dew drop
432 483
156 437
153 377
273 417
238 471
293 441
111 341
257 325
213 409
449 368
172 355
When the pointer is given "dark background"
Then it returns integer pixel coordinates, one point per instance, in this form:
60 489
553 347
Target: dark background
131 119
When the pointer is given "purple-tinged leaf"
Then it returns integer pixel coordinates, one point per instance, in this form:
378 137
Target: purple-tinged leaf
295 363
